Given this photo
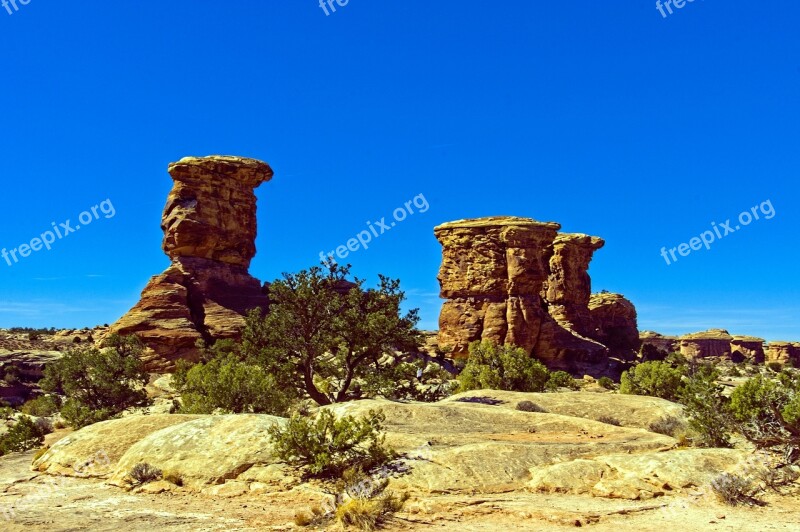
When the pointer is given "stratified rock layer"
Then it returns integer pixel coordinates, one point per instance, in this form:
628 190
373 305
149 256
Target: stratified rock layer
209 226
614 324
518 281
784 352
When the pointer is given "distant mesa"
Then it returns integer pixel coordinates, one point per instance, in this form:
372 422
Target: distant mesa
518 281
209 225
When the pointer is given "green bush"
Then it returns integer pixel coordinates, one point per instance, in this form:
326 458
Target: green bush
229 385
502 368
606 382
656 379
560 379
706 407
767 412
325 446
775 366
98 384
42 406
26 434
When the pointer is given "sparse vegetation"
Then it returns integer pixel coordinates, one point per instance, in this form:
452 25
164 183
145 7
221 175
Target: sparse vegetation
606 382
668 426
735 489
143 473
368 513
610 420
98 384
530 406
229 385
26 434
502 368
325 446
656 379
560 379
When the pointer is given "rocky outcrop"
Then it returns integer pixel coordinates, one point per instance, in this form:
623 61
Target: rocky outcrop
20 373
664 344
784 352
747 348
209 226
517 281
614 324
711 343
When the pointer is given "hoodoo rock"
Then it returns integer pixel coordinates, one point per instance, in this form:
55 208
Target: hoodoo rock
517 281
209 226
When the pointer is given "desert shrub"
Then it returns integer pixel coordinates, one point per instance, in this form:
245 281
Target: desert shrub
42 406
367 514
229 385
767 412
98 384
656 379
530 406
606 382
735 489
6 413
33 336
610 420
330 338
706 407
25 435
502 368
326 446
668 426
775 366
560 379
173 478
143 473
10 375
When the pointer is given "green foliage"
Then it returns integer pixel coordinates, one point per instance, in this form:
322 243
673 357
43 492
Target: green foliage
706 408
42 406
502 368
26 434
656 379
606 382
98 384
326 446
560 379
327 337
767 411
775 366
231 386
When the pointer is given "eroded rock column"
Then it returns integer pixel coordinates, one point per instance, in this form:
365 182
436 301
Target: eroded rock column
209 225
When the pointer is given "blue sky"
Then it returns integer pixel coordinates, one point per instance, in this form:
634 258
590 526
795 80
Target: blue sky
603 116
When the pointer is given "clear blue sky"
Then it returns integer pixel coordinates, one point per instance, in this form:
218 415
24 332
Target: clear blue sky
603 116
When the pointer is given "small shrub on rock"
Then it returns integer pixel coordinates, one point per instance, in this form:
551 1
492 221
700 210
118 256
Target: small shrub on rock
775 366
656 379
560 379
735 489
502 368
143 473
606 382
610 420
326 446
668 426
530 406
368 513
25 435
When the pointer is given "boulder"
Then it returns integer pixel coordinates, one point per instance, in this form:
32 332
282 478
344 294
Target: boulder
209 226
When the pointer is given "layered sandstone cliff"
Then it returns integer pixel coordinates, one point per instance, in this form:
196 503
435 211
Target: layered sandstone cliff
784 352
209 226
518 281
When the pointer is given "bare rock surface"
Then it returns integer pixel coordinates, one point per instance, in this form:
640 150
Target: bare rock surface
209 226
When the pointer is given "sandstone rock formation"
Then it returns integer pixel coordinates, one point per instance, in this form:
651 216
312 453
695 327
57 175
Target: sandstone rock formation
517 281
705 344
747 348
784 352
665 344
209 226
614 324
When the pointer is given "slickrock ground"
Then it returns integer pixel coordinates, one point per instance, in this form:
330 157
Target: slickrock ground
470 466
